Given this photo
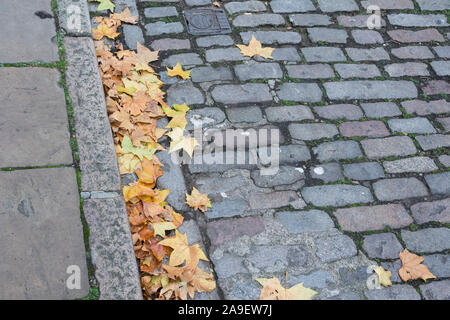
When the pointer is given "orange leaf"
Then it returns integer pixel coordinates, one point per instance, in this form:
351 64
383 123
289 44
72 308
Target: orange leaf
412 268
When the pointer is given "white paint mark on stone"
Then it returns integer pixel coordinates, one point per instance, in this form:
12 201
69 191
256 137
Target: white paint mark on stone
319 171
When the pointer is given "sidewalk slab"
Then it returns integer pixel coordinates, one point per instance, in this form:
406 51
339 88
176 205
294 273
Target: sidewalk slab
28 31
41 234
34 125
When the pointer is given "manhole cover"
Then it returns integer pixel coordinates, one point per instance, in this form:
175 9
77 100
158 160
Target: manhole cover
206 21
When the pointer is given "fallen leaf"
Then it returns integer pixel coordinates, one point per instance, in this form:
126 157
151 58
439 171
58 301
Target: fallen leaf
412 268
254 48
177 70
273 290
216 4
160 228
141 152
125 16
197 200
103 30
105 5
383 276
178 115
181 142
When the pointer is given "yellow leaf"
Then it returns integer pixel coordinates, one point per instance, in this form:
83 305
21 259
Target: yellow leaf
125 16
412 268
273 290
178 71
183 252
181 142
103 30
160 228
384 276
197 200
254 48
178 115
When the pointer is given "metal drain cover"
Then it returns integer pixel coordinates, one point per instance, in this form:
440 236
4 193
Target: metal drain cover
206 21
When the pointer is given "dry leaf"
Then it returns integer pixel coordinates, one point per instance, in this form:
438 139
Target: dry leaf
125 16
412 267
383 276
254 48
273 290
181 142
197 200
177 70
103 30
216 4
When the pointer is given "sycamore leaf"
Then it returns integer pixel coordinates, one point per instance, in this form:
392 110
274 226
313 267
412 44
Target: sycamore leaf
412 268
141 152
103 30
177 70
183 252
273 290
181 142
178 115
125 16
128 163
144 57
132 192
216 4
197 200
254 48
383 276
160 228
105 5
149 172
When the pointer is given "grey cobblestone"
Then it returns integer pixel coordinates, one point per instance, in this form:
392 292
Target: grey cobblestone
310 20
396 292
170 44
442 68
416 164
285 176
438 290
204 74
257 20
338 5
424 108
382 245
225 54
312 71
270 37
337 150
359 21
412 125
301 92
288 113
438 264
433 5
407 69
357 70
250 92
367 37
210 41
427 240
281 6
376 54
445 160
305 221
244 114
245 6
434 141
323 54
389 4
415 20
339 111
439 210
381 109
364 171
328 172
335 248
400 188
312 131
346 90
160 12
160 27
336 195
185 59
442 51
439 183
256 70
327 35
412 52
392 146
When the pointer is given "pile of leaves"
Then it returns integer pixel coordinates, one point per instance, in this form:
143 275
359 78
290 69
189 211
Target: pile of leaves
134 98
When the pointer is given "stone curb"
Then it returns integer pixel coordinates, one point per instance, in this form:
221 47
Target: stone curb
110 241
74 18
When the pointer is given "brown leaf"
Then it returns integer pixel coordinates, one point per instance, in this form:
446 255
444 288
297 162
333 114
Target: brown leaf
412 268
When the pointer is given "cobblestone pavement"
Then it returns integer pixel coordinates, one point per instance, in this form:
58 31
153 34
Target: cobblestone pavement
363 118
41 233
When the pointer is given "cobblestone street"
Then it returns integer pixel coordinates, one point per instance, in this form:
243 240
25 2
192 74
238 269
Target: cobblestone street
363 118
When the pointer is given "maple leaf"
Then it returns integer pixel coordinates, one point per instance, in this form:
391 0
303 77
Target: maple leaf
216 4
144 57
136 190
182 252
412 268
105 5
383 276
177 70
128 163
125 16
273 290
178 115
197 200
149 172
160 228
141 152
103 30
181 142
254 48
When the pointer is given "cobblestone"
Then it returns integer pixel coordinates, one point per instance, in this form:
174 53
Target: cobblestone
346 90
439 183
323 54
328 172
373 128
160 12
305 221
381 109
338 5
409 36
170 44
376 54
407 69
438 264
412 52
400 188
251 92
382 245
442 68
442 51
310 20
339 111
367 37
270 37
357 70
416 164
300 92
337 195
158 28
424 108
439 290
337 150
434 141
312 131
257 20
439 210
244 114
364 171
412 125
360 219
225 54
327 35
313 71
245 6
288 114
396 292
281 6
427 240
392 146
433 5
256 70
220 40
335 248
415 20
